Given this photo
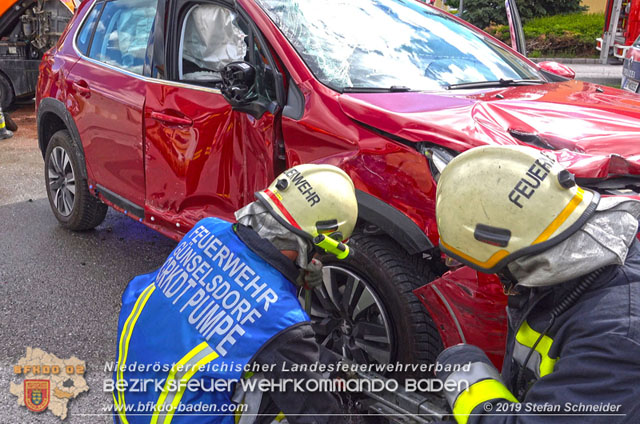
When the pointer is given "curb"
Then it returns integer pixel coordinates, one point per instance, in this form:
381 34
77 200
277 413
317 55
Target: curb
568 60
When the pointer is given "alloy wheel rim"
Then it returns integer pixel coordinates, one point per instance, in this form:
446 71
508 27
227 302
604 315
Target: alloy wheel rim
349 317
62 181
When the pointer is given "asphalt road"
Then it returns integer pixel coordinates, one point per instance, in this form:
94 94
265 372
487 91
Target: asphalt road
610 75
60 291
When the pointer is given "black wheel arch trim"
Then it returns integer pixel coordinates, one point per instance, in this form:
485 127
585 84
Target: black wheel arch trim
56 107
393 222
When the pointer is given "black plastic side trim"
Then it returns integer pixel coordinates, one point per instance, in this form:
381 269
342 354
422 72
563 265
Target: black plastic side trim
56 107
294 108
393 222
130 207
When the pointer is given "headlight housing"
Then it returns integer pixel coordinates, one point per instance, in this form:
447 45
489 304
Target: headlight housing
438 158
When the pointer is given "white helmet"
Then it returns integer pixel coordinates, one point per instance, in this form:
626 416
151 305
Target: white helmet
312 200
497 203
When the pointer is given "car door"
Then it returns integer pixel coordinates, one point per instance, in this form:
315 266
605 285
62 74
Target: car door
108 92
518 42
202 158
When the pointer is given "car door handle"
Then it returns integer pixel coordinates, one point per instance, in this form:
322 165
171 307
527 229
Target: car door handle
165 118
82 88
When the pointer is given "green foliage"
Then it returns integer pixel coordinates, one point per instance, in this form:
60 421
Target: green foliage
556 36
555 7
483 13
587 26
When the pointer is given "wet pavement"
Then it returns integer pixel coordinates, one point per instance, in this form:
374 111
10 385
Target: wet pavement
21 164
59 290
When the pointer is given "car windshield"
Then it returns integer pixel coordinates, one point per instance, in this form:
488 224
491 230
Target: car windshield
396 44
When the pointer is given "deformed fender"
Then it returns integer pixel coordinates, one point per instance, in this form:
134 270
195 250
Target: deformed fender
468 307
394 223
56 107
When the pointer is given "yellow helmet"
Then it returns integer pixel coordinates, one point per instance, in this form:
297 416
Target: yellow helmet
497 203
311 200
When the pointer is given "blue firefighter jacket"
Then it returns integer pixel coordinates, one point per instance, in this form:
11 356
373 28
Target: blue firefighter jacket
188 329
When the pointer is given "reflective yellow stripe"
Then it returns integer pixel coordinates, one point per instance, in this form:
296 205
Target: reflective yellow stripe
172 374
561 218
115 403
478 393
280 416
501 254
489 263
193 368
123 351
182 384
528 336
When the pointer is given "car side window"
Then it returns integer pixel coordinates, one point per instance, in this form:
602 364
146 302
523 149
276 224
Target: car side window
123 32
85 33
213 36
211 39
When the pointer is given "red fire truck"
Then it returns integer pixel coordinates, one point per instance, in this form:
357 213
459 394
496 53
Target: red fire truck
621 28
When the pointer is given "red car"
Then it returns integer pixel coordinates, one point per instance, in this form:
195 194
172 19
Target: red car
171 110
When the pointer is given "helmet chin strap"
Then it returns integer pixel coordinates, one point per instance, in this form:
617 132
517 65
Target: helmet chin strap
509 282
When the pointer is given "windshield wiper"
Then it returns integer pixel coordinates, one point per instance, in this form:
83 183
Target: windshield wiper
392 89
500 83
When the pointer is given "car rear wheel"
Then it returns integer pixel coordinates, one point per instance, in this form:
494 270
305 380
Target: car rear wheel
366 309
69 196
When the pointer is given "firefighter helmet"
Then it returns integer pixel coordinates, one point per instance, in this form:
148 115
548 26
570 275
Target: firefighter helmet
497 203
313 200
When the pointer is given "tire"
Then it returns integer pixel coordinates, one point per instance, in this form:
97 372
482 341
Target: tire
6 93
379 265
69 197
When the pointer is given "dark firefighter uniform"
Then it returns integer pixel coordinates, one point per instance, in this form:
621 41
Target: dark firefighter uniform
223 299
586 369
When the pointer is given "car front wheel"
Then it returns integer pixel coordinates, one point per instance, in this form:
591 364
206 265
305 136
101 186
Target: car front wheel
69 197
366 309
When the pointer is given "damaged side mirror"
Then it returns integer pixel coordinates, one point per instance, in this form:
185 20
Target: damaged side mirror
239 83
555 68
239 88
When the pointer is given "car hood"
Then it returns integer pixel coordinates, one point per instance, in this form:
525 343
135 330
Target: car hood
594 131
